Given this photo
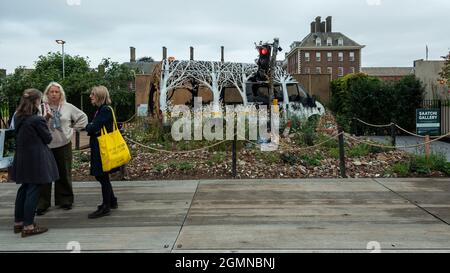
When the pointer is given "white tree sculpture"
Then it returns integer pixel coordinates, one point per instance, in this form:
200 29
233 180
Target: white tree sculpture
173 75
239 75
282 77
213 75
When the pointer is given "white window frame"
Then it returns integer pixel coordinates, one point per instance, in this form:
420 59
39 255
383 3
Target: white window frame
340 42
352 69
318 70
318 56
330 71
352 56
307 57
341 56
340 71
318 41
307 70
330 56
329 41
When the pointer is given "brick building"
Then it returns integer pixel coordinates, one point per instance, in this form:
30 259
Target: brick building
388 73
323 51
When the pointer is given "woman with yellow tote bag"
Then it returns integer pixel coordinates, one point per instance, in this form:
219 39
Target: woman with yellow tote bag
104 120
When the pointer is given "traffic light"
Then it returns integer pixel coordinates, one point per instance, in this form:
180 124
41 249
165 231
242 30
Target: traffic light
264 59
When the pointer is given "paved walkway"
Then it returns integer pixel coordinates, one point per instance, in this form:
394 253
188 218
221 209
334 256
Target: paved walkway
336 215
436 147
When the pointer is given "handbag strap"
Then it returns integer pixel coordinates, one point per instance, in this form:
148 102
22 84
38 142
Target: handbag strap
115 127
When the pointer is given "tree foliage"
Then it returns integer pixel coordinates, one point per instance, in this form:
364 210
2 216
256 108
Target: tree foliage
79 78
375 101
445 73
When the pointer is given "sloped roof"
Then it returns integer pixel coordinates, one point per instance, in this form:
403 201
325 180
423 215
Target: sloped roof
310 39
387 71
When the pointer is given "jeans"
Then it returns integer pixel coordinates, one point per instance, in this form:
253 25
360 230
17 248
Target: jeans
26 203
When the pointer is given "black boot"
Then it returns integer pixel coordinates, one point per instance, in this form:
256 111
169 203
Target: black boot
114 204
100 212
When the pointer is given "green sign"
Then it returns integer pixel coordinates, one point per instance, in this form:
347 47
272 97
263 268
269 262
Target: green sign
428 122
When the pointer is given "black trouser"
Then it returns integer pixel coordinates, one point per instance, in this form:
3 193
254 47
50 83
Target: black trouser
107 190
63 186
26 203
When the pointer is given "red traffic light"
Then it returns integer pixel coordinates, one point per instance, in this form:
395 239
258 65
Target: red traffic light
263 51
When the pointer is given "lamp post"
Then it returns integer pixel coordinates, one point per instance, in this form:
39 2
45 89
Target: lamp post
62 42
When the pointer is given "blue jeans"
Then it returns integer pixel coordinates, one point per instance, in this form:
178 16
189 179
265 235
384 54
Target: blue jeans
26 203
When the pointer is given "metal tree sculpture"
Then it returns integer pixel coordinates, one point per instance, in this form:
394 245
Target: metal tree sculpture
173 75
239 75
213 75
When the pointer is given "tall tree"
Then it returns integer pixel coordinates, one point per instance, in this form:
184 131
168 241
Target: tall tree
445 73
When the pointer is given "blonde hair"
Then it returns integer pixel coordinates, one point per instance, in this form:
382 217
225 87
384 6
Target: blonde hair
61 90
102 94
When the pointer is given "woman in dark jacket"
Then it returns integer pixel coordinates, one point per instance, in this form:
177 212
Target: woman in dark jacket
33 164
103 117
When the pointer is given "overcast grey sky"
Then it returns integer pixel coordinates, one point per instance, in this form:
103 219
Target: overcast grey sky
395 32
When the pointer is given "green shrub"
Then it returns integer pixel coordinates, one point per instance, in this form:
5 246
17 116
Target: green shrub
329 144
290 159
312 160
268 157
375 101
159 167
446 169
185 166
218 157
423 165
401 168
359 150
334 153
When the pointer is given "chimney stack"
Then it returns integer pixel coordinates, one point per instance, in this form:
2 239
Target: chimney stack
222 57
192 54
329 28
164 53
132 54
313 27
322 27
317 28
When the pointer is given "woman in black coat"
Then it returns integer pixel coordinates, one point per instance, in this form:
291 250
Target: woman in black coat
33 164
103 117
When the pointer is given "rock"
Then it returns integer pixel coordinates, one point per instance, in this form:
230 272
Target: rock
303 170
357 163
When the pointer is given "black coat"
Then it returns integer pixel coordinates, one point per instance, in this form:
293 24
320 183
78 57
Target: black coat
33 162
103 117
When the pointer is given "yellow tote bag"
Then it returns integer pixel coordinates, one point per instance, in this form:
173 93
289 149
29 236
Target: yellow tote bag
113 148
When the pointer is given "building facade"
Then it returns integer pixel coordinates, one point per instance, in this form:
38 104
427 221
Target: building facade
428 73
323 51
388 73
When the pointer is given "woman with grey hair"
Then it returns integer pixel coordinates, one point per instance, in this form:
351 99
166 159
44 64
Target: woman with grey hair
62 118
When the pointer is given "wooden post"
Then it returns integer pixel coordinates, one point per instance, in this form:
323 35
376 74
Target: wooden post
393 135
427 146
77 140
234 157
342 152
